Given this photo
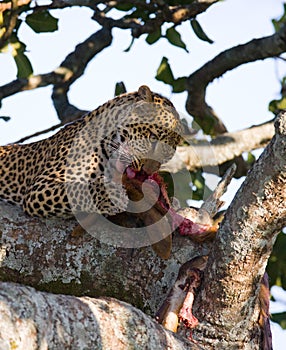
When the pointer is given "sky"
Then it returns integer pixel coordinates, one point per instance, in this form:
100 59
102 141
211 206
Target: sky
240 97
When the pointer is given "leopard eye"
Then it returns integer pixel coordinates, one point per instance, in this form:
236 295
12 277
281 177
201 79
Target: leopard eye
153 137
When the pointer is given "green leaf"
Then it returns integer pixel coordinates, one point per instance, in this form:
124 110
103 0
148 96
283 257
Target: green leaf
5 118
42 22
179 85
250 158
23 64
275 106
164 72
198 30
153 37
279 22
174 38
120 88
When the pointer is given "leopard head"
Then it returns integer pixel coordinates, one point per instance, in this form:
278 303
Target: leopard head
149 129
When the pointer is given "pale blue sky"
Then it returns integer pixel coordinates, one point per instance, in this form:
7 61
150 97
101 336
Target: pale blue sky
240 97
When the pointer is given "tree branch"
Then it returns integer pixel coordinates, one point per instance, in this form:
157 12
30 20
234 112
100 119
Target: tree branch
33 82
202 154
44 254
31 319
227 306
70 69
163 13
197 82
39 133
74 65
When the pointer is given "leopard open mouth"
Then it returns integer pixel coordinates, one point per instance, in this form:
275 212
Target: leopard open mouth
143 171
133 180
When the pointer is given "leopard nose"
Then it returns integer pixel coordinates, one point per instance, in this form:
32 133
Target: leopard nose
151 166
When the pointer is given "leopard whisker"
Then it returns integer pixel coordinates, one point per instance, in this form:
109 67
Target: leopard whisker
122 151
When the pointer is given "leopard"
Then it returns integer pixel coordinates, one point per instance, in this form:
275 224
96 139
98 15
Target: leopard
80 168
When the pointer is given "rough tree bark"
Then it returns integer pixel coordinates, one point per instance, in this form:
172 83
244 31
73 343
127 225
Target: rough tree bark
227 305
43 254
33 320
225 147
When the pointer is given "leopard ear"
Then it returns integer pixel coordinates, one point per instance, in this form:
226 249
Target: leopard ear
145 93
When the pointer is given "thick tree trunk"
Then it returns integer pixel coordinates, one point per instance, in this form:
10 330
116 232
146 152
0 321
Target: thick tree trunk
227 305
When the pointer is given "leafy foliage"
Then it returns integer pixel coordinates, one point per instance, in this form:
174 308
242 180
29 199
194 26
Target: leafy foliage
276 106
124 6
40 22
179 186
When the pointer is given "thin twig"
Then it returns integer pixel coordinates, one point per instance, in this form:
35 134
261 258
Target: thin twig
38 133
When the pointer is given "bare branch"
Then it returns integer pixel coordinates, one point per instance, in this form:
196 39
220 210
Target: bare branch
213 203
31 319
33 82
241 250
197 82
60 4
39 133
75 63
201 154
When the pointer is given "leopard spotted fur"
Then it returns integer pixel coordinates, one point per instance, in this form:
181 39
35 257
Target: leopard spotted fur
78 169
